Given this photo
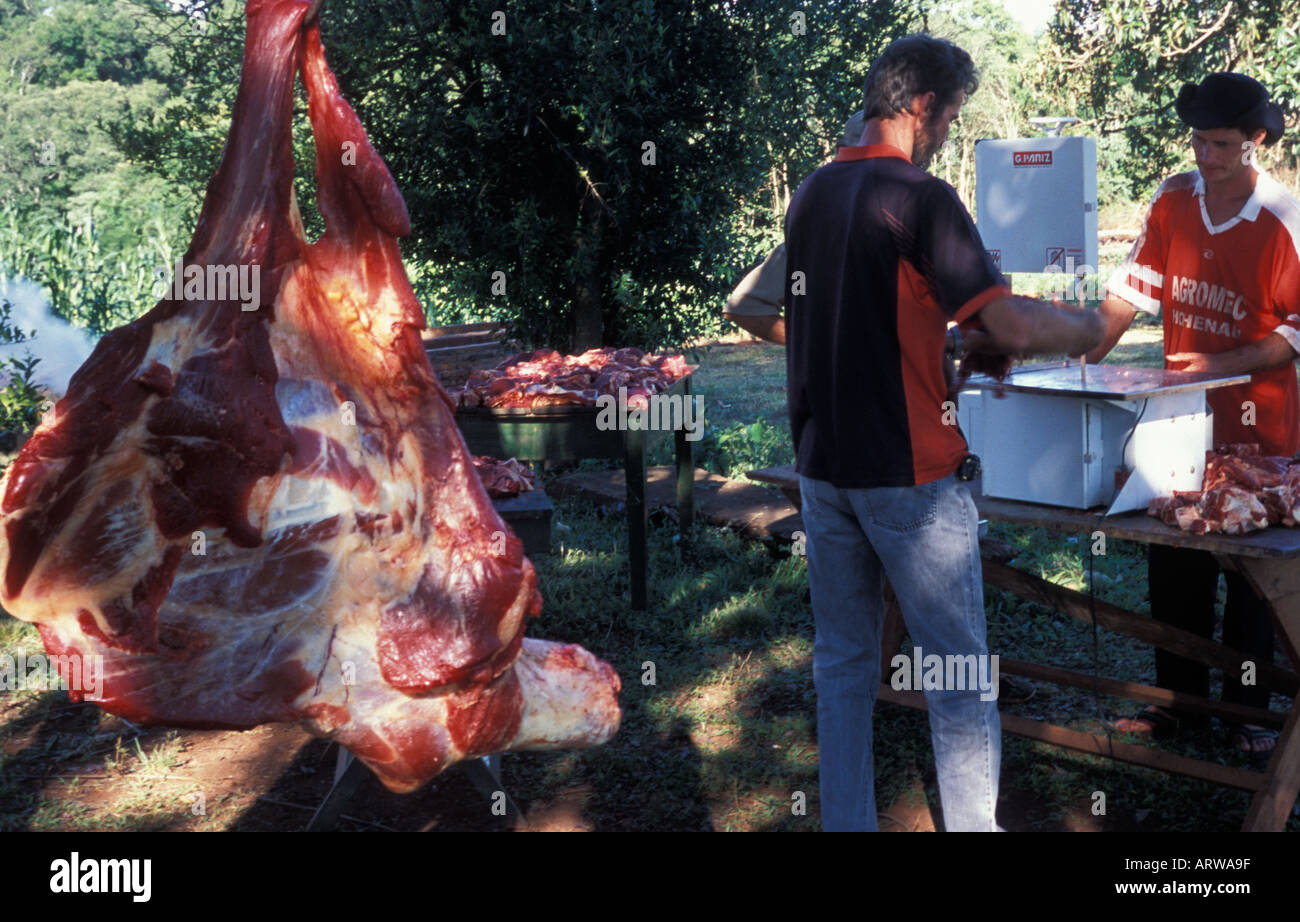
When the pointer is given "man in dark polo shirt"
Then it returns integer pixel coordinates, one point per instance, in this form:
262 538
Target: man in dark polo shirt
881 256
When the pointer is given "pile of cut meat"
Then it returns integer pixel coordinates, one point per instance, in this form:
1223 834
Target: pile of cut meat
544 378
503 479
243 514
1243 491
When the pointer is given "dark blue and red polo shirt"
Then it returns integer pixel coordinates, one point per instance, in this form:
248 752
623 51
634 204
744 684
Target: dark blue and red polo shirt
880 257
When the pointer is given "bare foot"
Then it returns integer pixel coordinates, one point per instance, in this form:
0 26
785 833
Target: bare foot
1253 739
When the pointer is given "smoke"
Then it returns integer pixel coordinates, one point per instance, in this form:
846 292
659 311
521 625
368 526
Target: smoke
61 347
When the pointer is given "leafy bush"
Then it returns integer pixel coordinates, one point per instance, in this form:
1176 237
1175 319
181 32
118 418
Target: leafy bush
741 447
20 401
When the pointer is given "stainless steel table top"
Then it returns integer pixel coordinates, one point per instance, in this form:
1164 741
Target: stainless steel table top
1105 382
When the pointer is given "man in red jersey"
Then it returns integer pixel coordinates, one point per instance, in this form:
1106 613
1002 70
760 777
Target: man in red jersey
1219 256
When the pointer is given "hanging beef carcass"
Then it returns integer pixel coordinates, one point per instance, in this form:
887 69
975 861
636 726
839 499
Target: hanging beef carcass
268 514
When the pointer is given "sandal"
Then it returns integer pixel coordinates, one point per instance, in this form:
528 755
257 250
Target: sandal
1151 721
1245 738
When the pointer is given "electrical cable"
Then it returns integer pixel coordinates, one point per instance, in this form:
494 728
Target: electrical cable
1096 646
1123 452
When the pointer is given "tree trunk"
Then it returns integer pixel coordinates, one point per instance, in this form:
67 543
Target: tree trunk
587 326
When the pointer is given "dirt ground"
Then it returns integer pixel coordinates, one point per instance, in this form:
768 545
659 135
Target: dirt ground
274 777
269 778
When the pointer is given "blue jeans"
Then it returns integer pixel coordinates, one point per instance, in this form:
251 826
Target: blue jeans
926 540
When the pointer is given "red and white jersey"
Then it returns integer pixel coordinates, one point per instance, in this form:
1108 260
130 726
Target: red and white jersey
1221 287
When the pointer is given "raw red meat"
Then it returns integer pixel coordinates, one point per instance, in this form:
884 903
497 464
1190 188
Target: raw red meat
505 478
270 515
544 378
1242 491
993 364
1244 466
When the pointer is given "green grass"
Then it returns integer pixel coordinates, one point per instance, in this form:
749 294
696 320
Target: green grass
728 733
727 630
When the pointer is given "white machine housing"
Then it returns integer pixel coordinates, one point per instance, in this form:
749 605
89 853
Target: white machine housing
1036 203
1066 451
1119 439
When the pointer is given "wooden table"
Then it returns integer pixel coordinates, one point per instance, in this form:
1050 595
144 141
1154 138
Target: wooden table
570 434
1269 562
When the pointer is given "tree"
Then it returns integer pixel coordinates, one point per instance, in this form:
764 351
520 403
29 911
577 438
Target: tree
603 161
807 70
998 109
1119 65
70 71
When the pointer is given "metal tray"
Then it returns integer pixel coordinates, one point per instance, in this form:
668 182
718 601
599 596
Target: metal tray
570 410
1105 382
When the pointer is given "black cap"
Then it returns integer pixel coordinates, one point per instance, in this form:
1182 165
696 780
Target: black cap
1227 100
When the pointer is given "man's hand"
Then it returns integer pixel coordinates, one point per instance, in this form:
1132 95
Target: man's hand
1270 352
1196 361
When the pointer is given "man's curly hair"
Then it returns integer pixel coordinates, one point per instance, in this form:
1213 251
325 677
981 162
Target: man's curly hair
913 66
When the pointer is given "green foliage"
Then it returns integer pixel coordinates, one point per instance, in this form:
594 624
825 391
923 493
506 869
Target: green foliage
1002 105
741 447
71 73
1119 65
88 285
20 401
54 42
803 88
526 152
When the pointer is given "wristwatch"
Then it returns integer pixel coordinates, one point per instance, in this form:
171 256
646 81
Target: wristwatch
952 342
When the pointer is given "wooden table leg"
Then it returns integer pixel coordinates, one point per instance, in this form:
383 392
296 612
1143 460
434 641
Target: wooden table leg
1278 581
1273 802
634 472
685 479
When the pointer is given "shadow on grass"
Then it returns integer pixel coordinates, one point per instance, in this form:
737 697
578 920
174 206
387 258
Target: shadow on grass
51 732
48 740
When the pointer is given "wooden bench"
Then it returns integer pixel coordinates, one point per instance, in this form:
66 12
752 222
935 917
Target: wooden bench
457 350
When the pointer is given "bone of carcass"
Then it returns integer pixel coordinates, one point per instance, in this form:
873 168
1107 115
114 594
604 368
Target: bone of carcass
1242 491
270 515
